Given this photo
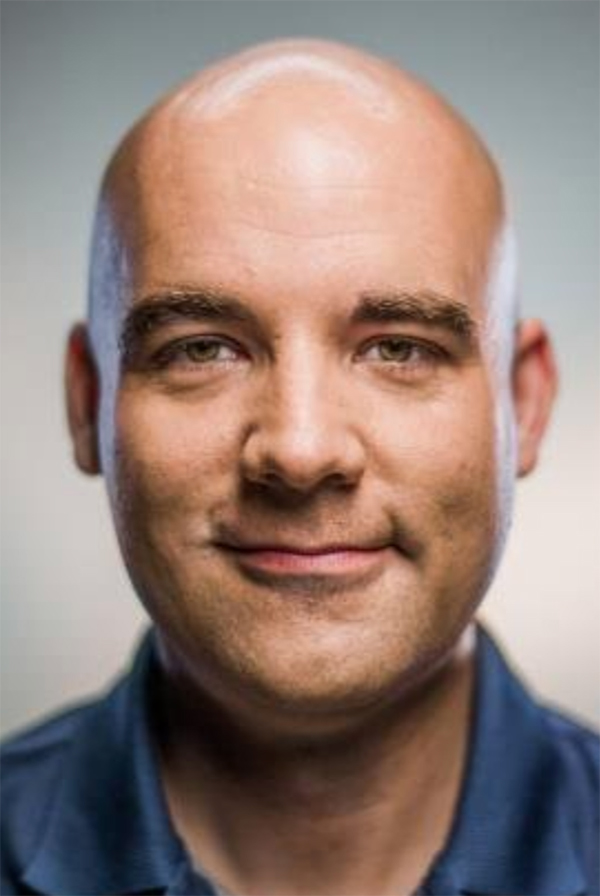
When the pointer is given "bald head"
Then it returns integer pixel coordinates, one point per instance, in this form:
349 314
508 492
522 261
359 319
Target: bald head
325 129
289 82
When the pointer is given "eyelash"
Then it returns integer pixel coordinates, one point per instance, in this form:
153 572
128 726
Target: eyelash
168 354
428 353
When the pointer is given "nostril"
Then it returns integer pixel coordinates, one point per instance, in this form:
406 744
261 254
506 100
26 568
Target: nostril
290 453
280 489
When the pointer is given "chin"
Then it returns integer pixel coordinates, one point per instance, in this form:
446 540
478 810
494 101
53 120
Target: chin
331 677
290 662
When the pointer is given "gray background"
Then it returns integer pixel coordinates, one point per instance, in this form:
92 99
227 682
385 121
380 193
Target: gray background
75 75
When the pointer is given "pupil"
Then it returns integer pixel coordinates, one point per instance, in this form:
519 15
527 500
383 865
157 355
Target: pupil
201 351
396 350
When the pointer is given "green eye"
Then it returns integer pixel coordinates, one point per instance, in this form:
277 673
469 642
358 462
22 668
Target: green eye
404 355
196 352
201 351
398 350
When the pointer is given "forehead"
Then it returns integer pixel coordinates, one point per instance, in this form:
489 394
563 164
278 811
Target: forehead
301 184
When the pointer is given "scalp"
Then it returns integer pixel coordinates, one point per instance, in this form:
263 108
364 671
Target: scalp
295 81
292 112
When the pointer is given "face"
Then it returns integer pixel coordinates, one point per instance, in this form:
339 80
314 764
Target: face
302 435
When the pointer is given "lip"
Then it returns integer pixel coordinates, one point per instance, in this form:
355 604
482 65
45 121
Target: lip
326 560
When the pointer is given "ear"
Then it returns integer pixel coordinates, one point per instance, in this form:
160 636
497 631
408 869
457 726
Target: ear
534 386
82 391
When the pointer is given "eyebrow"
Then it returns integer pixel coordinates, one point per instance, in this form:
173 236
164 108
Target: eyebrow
158 310
424 307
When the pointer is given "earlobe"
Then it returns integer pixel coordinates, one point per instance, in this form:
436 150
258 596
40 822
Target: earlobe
534 386
81 385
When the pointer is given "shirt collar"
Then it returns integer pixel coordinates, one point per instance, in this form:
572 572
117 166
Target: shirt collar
109 830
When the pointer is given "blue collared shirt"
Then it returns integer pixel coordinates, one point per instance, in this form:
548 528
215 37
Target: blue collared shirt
83 810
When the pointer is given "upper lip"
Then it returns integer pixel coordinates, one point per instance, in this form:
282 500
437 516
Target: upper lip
329 547
246 540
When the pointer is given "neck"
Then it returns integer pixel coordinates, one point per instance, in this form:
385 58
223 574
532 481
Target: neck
293 815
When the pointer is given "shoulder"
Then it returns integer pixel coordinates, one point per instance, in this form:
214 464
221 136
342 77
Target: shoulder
535 771
39 748
575 738
58 779
32 764
578 748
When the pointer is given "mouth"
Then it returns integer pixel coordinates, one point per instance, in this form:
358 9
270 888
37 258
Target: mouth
328 560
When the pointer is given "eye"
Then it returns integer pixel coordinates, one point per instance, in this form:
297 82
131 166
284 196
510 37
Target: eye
197 351
402 351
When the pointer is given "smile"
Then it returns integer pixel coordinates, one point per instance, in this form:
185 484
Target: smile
327 561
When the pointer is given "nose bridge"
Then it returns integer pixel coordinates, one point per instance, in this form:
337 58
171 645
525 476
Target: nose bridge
301 431
302 394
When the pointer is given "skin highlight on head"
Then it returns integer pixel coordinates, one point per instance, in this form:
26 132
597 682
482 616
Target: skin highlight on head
288 90
283 249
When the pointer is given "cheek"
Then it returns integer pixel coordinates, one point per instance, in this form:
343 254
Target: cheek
443 457
467 470
465 506
170 471
467 510
450 427
167 453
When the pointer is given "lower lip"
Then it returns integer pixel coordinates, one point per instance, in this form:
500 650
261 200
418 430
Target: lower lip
325 563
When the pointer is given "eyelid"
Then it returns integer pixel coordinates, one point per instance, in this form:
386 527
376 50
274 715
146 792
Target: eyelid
431 348
167 352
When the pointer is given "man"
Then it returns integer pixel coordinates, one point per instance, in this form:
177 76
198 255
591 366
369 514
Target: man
304 381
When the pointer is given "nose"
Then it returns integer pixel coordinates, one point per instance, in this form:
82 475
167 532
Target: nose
301 434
